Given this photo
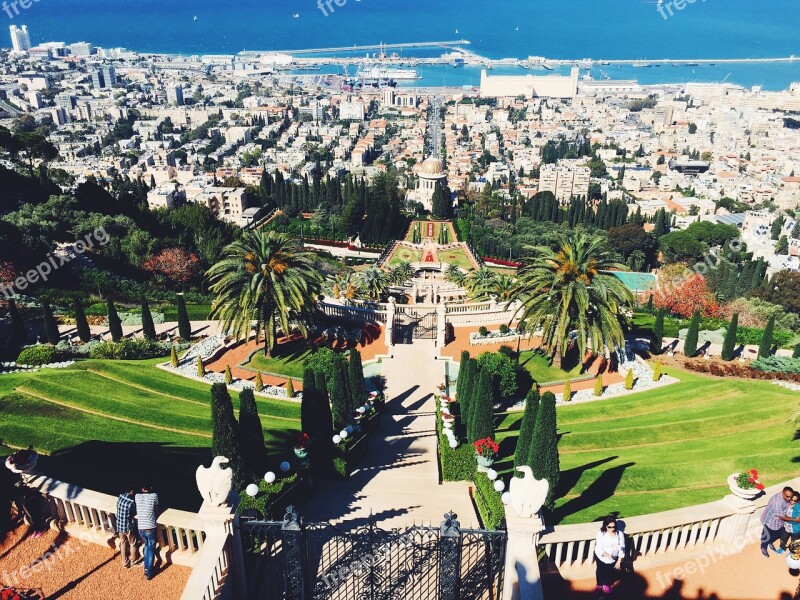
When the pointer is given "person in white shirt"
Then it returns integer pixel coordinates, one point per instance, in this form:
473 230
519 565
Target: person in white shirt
609 546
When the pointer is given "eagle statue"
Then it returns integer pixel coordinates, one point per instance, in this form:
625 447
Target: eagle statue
215 482
528 493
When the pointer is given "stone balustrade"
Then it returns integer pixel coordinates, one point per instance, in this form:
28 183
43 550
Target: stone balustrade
662 538
211 569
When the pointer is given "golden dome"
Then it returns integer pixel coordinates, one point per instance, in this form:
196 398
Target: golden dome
431 166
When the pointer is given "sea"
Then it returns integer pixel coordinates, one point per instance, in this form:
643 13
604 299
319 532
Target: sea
558 29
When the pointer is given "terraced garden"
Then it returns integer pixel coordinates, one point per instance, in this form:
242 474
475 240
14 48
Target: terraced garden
666 448
101 424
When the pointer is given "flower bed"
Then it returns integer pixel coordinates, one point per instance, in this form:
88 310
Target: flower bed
493 337
273 498
733 369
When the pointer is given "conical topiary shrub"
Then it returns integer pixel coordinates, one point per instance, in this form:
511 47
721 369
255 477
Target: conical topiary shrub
50 325
657 372
259 382
289 389
567 393
598 385
114 322
201 369
173 356
629 380
81 324
228 375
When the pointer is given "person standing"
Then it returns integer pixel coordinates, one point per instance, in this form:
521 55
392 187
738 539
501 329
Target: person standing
609 546
146 514
126 536
773 519
792 523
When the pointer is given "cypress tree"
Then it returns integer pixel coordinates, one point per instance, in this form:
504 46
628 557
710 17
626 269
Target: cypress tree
114 322
657 341
466 389
543 457
482 408
566 395
228 375
629 380
18 330
225 432
649 307
81 323
657 372
355 375
50 325
184 325
796 352
729 343
598 385
289 388
201 369
765 347
340 403
173 357
148 327
690 343
462 369
259 381
526 428
322 384
315 418
251 433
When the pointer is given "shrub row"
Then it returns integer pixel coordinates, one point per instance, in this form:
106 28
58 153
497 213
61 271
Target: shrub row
267 494
41 354
489 502
777 364
129 349
736 370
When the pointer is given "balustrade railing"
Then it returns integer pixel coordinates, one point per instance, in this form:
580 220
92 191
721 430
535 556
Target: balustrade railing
212 568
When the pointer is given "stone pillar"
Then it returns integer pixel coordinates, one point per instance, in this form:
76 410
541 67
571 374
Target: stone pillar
441 325
391 307
742 527
522 579
493 302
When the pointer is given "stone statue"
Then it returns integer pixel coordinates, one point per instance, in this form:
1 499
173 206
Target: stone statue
215 483
527 494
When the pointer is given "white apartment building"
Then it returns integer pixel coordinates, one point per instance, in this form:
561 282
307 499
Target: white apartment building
351 111
20 39
564 182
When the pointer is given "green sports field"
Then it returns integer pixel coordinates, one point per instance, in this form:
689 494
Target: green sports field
666 448
100 424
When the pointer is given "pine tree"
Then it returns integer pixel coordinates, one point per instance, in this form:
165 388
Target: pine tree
525 438
184 325
114 322
482 408
657 341
355 374
251 434
228 375
173 356
289 388
81 324
598 385
259 381
729 343
765 347
18 329
201 369
543 458
340 403
690 343
50 325
629 380
148 327
657 372
225 433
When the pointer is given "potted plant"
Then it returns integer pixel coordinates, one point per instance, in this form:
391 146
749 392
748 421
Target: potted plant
793 556
745 485
301 448
485 451
447 419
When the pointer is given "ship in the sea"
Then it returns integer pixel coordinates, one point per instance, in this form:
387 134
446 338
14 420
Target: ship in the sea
384 73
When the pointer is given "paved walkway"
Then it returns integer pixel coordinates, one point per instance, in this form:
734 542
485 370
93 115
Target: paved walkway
397 479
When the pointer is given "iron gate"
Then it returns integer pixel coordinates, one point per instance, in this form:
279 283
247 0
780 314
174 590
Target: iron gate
291 560
410 323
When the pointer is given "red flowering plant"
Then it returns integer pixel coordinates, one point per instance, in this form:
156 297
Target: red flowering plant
446 398
748 480
441 387
447 416
486 447
303 441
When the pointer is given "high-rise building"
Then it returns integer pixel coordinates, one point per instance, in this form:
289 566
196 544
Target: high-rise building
175 95
564 182
20 40
104 77
81 49
98 81
65 100
110 75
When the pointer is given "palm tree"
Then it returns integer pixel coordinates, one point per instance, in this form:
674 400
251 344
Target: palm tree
565 290
266 277
454 274
499 285
346 285
477 281
372 283
401 272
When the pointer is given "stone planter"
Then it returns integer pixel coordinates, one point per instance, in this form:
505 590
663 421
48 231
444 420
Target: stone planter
448 424
484 462
744 494
792 563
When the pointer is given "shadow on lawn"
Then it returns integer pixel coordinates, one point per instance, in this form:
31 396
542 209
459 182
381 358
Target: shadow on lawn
598 491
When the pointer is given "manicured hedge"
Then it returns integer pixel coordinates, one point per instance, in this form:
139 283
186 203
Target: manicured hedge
737 370
41 354
268 493
777 364
489 502
129 349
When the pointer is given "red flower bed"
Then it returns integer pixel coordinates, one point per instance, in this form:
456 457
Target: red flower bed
501 261
486 447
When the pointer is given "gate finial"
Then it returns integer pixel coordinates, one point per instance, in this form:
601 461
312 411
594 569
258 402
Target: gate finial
291 520
450 526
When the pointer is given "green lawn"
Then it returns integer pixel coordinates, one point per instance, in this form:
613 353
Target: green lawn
404 254
287 360
665 448
197 312
538 365
101 424
457 256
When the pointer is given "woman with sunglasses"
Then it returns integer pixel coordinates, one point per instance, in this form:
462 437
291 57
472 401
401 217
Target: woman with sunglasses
609 546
